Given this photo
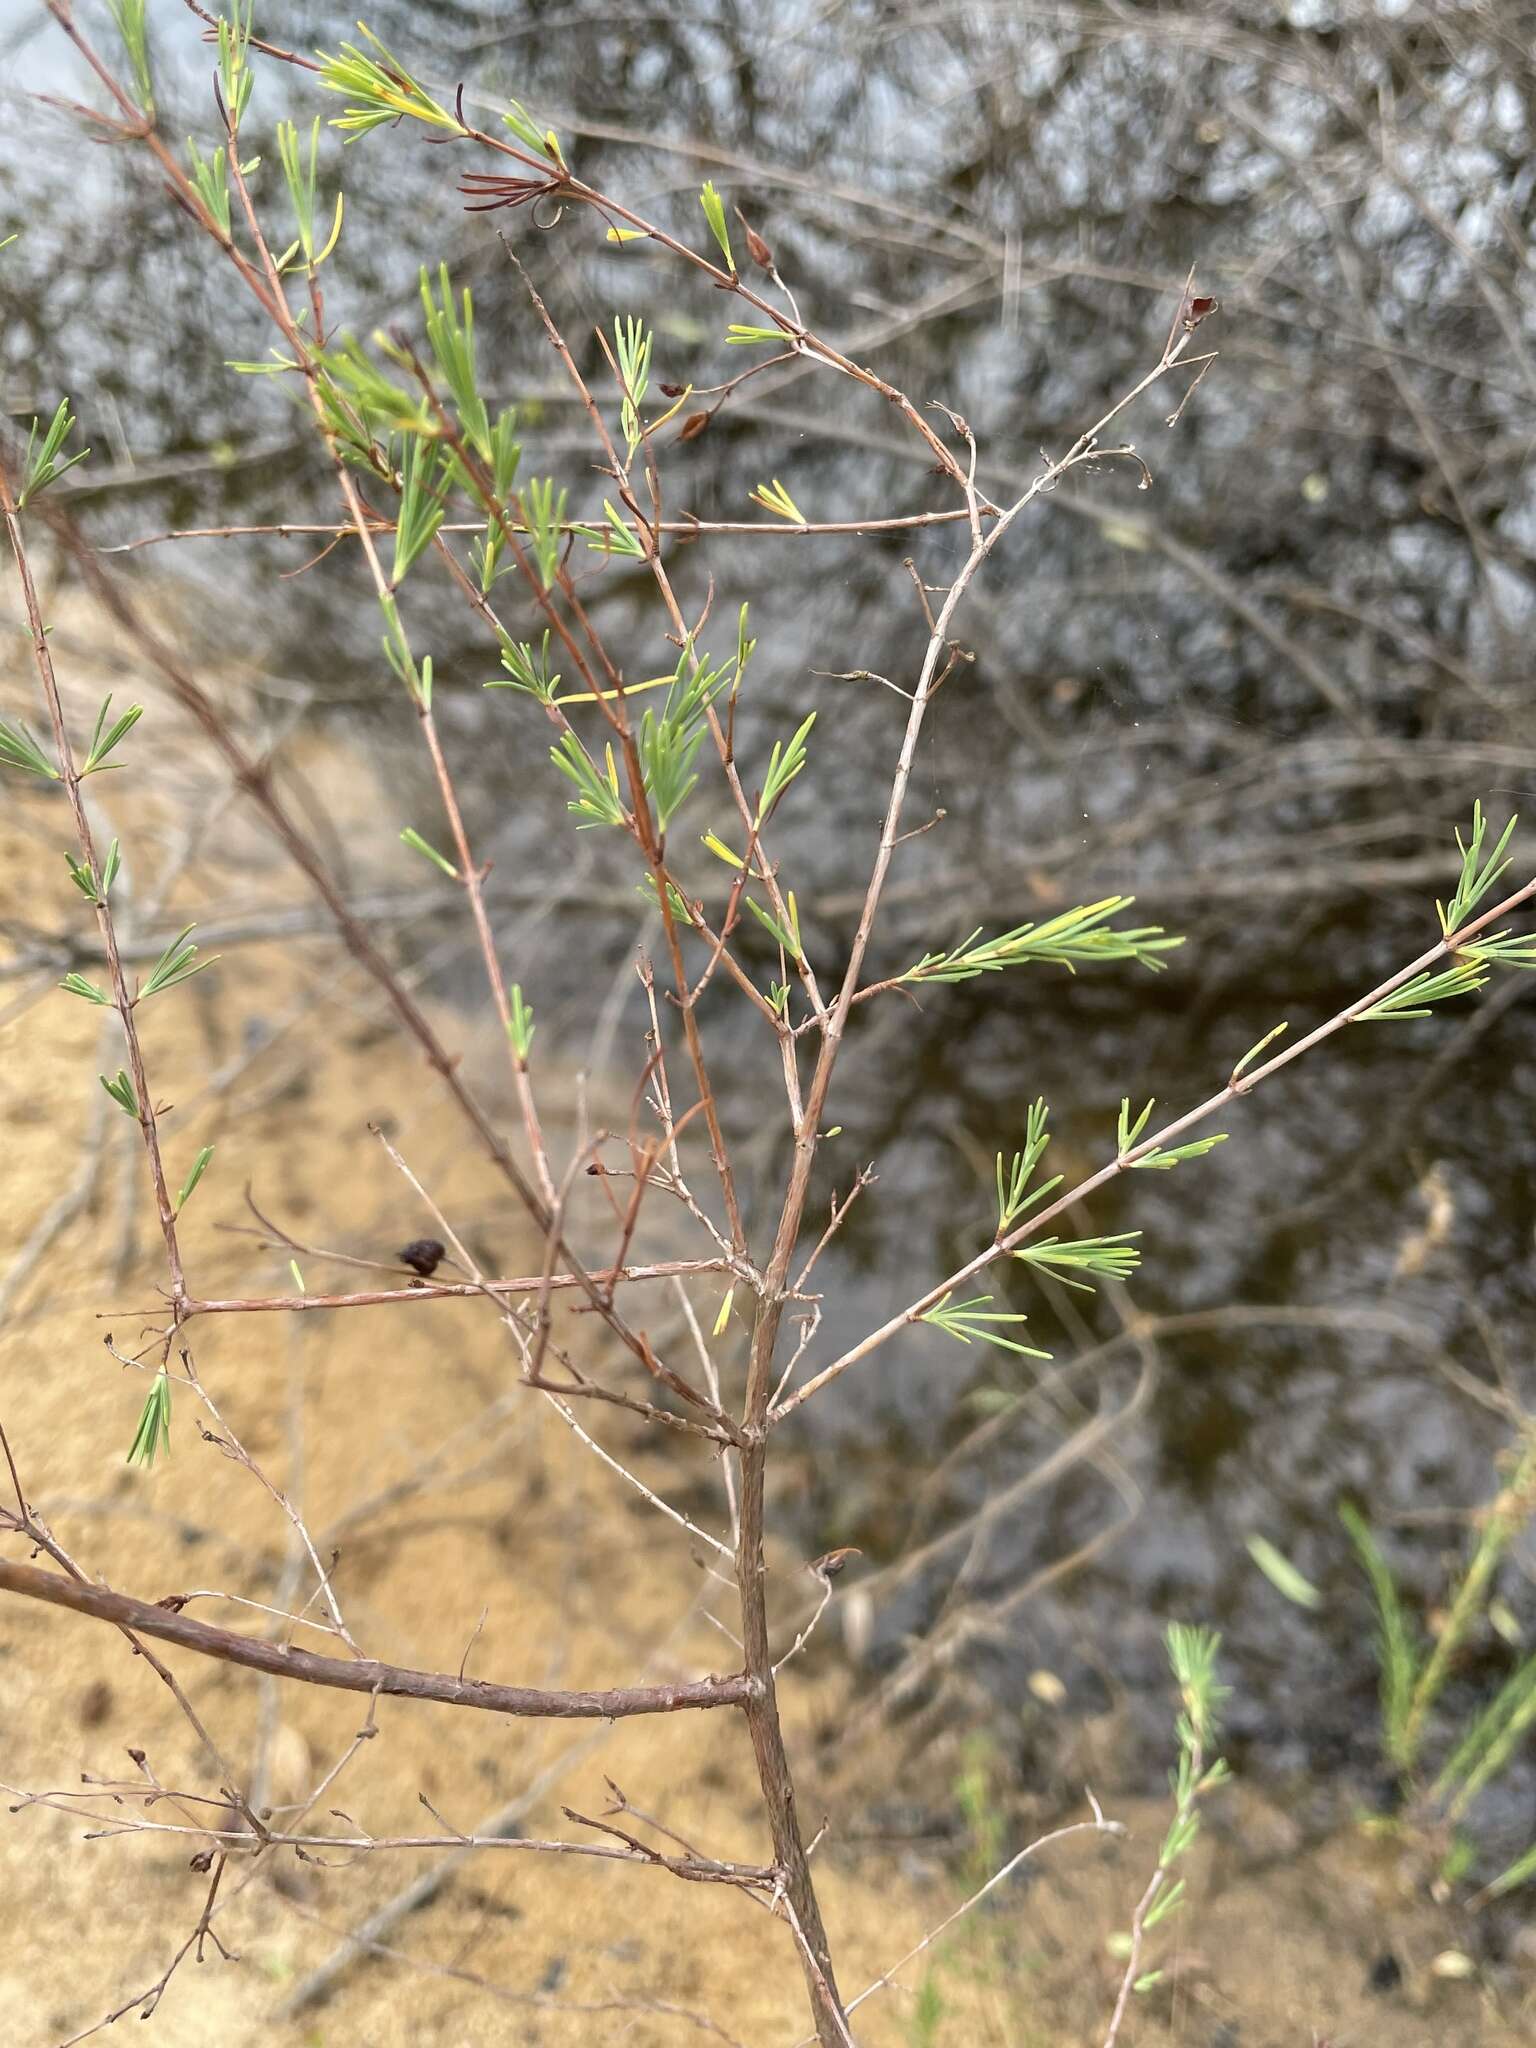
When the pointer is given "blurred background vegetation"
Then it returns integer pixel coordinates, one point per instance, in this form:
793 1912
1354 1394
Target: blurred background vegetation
1258 697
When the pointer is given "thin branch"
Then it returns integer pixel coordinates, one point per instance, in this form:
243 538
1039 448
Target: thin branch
1157 1141
1097 1826
122 1001
688 527
365 1675
608 1277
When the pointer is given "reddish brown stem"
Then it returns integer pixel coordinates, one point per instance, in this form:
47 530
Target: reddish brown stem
361 1674
122 1001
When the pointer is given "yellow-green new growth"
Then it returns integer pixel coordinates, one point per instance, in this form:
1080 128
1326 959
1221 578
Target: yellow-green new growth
774 498
380 87
714 213
153 1434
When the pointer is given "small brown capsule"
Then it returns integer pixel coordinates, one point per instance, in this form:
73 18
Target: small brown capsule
423 1255
693 426
757 248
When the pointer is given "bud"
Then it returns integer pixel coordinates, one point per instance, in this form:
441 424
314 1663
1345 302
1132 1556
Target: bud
757 248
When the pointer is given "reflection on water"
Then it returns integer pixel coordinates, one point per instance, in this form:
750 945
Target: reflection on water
1257 696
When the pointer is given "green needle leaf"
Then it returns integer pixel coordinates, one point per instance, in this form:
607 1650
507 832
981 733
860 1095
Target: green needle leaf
1070 940
414 839
18 749
1253 1051
1159 1161
178 963
597 800
976 1321
1282 1574
1477 875
618 537
775 499
86 990
1112 1258
40 466
153 1434
1129 1132
526 670
1502 949
121 1092
106 737
1395 1647
784 764
128 15
380 88
714 213
199 1168
1011 1198
790 941
1415 997
634 352
520 1025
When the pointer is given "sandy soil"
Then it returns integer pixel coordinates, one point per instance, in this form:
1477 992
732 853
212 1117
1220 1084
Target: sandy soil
473 1528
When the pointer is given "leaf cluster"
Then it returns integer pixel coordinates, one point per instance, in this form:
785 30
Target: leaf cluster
976 1321
379 88
1072 939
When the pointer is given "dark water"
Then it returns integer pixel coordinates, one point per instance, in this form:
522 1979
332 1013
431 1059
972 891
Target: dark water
1259 697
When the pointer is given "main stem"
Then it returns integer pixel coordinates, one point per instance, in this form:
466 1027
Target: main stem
773 1771
762 1705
